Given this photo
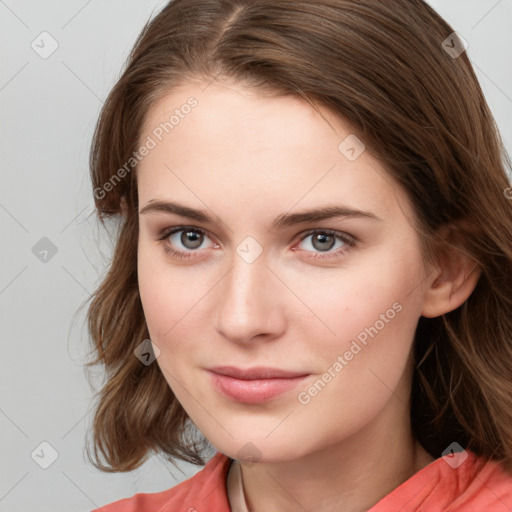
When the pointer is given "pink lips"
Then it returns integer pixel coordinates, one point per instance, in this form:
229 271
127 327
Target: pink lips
254 385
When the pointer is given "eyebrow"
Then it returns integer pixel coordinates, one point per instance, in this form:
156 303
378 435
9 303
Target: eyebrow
283 220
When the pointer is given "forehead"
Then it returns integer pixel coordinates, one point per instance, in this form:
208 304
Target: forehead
226 141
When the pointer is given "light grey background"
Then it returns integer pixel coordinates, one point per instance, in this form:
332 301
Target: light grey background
49 107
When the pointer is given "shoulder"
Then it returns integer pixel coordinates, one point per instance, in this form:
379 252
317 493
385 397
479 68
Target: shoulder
206 490
487 486
462 482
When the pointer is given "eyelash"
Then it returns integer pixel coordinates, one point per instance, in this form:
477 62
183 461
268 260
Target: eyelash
349 240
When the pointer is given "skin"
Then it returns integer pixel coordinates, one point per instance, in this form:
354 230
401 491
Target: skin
247 158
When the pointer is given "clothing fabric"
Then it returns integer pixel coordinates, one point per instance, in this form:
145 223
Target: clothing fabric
452 483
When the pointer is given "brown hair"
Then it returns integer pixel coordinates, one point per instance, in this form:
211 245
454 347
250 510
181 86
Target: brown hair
382 67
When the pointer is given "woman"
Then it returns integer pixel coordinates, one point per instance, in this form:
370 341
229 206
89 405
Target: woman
370 374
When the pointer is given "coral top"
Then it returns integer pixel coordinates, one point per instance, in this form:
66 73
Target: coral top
442 486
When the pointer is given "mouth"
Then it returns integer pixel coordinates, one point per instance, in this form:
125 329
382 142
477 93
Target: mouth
254 385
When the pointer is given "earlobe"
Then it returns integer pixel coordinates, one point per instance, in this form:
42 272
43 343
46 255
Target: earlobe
454 279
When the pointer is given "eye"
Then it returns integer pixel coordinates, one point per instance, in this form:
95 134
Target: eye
323 240
190 238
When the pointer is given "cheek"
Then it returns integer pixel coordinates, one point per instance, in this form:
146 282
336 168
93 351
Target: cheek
167 303
365 364
381 290
172 299
372 314
158 295
161 308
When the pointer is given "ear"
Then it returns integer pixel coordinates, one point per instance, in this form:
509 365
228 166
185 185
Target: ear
454 278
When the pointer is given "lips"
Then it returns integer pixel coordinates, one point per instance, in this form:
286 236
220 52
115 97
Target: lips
254 385
254 373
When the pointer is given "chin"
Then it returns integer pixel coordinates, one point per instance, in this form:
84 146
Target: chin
258 449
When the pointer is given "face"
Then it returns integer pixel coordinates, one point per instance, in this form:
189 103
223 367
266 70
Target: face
254 284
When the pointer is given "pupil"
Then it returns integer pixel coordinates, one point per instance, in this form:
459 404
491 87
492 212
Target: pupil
322 239
192 237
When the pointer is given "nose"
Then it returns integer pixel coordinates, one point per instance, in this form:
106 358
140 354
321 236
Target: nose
250 302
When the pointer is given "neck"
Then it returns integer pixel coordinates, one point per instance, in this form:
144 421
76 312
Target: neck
356 472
